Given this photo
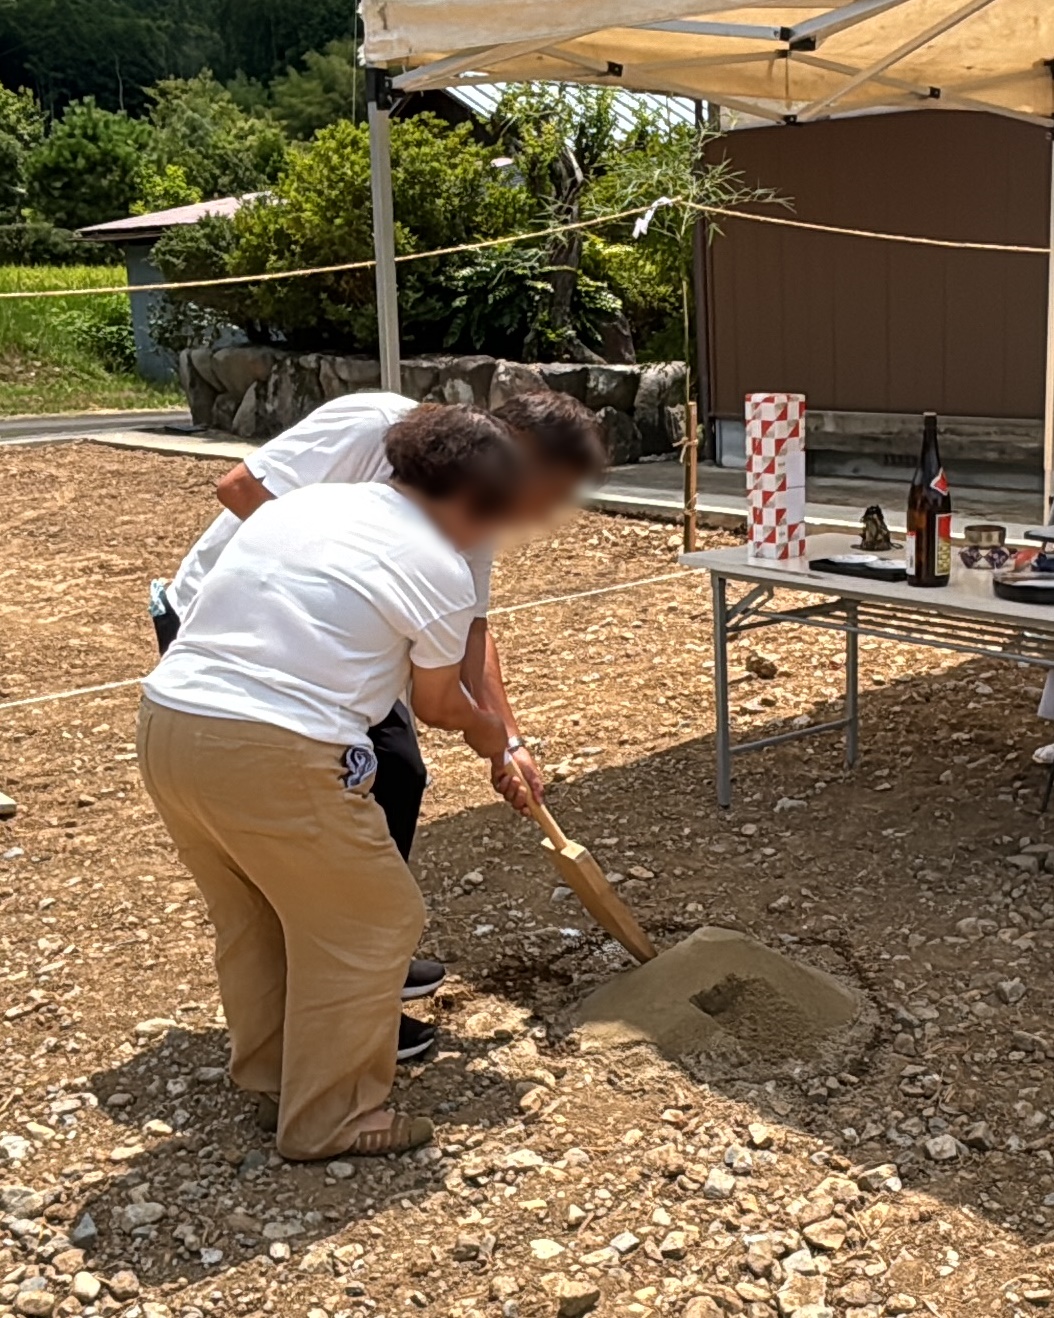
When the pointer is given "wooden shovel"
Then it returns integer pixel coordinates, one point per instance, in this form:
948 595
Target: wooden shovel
586 879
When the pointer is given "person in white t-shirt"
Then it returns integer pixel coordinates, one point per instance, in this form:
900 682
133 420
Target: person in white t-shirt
254 744
343 441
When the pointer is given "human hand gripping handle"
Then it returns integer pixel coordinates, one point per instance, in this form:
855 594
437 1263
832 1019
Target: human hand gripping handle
515 776
533 807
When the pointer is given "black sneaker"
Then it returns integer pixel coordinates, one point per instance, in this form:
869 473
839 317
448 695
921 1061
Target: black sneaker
423 979
267 1113
415 1038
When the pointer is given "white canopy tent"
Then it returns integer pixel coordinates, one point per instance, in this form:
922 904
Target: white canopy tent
785 63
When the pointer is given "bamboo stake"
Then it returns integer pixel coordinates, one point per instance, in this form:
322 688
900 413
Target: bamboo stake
690 458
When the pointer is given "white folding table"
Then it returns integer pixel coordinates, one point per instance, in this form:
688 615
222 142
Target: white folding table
965 615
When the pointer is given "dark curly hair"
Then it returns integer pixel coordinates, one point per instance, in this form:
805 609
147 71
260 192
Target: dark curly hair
457 451
560 431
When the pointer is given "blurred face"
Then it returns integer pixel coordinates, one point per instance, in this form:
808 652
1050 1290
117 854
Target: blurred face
463 526
544 493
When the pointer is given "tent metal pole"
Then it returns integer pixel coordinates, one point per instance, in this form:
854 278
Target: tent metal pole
694 27
1048 404
703 382
379 105
837 20
710 118
443 72
893 57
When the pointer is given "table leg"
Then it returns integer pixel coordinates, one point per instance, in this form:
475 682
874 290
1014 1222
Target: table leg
852 686
722 732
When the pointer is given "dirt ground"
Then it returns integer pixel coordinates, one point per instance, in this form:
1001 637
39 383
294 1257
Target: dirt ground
915 1174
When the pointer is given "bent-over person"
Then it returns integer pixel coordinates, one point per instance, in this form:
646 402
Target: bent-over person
254 745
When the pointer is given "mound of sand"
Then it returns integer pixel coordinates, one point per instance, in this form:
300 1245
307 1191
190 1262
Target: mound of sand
717 993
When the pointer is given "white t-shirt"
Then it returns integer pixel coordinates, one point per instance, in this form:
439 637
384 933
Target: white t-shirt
314 612
340 441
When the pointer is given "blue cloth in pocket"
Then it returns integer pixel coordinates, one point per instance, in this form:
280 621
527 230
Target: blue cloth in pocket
361 765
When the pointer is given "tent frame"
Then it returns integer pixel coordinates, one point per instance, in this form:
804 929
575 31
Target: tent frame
1048 404
800 41
379 105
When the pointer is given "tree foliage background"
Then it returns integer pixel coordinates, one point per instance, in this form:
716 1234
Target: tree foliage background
113 50
548 158
114 107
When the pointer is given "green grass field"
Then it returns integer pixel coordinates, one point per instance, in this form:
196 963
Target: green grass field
70 354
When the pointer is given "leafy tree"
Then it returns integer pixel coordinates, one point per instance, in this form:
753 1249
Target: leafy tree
331 86
107 49
219 149
262 38
113 49
86 170
570 156
249 94
162 188
580 161
561 139
671 165
446 193
21 129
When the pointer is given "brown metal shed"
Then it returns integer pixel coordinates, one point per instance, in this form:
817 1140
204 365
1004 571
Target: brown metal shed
864 326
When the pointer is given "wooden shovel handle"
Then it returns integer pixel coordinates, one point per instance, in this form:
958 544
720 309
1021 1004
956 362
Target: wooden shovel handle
539 813
584 876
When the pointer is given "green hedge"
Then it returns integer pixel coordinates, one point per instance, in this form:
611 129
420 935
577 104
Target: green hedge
44 244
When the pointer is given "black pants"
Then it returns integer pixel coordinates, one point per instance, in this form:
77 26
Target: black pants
401 775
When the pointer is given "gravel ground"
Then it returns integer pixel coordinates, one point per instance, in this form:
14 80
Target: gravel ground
913 1174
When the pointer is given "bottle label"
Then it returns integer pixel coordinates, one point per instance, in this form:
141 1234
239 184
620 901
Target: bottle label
944 543
940 482
909 552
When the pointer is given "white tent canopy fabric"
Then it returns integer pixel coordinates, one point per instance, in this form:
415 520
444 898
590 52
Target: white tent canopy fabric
780 62
777 61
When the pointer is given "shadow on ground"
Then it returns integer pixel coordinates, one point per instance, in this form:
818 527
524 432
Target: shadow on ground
212 1156
868 874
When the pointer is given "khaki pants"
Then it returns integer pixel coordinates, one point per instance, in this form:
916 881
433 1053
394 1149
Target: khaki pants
316 913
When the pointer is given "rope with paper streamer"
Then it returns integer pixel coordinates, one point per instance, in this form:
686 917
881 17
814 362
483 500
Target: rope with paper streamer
643 216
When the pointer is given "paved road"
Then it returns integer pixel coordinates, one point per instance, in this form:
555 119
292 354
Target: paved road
649 488
837 501
89 423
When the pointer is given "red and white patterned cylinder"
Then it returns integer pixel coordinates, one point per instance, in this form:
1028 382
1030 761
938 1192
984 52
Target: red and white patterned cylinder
775 434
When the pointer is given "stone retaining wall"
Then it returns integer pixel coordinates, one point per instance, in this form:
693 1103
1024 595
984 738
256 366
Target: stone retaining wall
256 392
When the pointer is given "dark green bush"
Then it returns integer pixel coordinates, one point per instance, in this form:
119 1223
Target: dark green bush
446 193
500 296
37 243
86 170
21 129
178 325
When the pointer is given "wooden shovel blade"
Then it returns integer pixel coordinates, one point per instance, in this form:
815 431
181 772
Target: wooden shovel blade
586 879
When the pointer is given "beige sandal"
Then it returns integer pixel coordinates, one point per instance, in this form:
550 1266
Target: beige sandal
403 1134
